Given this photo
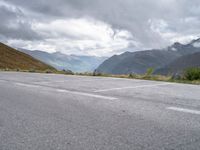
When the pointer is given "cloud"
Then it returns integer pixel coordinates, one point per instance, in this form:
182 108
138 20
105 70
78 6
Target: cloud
99 27
78 36
14 24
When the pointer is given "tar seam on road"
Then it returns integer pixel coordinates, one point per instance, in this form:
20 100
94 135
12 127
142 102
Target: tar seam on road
70 92
131 87
185 110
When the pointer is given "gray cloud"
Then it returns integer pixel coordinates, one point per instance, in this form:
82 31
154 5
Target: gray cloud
14 25
152 23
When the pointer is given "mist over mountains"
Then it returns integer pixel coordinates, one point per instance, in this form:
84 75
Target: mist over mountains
62 61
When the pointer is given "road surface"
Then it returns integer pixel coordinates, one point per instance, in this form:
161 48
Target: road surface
58 112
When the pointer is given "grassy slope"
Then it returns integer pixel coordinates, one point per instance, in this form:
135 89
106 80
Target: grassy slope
13 59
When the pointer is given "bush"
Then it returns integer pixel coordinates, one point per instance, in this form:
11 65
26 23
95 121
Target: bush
176 76
67 72
7 69
192 74
96 73
132 75
48 71
149 71
32 70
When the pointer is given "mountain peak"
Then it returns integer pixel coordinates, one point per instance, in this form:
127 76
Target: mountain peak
196 40
196 43
177 45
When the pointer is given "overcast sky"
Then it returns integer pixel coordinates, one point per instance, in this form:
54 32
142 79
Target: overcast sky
98 27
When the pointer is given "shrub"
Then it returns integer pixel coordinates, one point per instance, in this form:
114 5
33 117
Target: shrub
132 75
192 74
149 71
96 73
48 71
67 72
176 76
32 70
7 69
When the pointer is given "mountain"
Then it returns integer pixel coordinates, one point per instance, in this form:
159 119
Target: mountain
180 64
12 59
68 62
138 62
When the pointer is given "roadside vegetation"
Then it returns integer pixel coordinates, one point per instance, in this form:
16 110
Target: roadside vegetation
189 76
48 71
192 74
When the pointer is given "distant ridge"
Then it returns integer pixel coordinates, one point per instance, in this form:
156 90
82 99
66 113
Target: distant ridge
10 58
180 64
138 62
62 61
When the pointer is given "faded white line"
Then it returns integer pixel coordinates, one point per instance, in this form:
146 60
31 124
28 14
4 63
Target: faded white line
26 85
70 92
87 94
131 87
185 110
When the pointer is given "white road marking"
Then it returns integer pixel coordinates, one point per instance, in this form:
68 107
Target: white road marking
87 94
70 92
131 87
185 110
27 85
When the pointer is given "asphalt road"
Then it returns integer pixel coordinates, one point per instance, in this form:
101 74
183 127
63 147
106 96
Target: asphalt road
58 112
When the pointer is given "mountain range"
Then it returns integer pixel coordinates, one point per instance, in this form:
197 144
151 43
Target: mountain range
180 64
164 61
173 59
62 61
11 58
